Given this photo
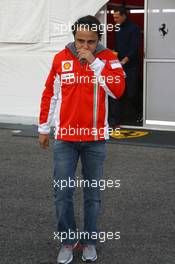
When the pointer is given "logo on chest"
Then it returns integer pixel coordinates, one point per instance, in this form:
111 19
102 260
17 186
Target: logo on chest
67 78
67 66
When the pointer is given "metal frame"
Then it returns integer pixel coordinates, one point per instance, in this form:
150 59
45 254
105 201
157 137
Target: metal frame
144 64
153 124
104 17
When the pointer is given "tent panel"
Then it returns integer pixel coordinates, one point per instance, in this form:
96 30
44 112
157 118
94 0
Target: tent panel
22 83
24 21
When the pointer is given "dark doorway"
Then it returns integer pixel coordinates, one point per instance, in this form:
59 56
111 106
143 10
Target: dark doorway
131 116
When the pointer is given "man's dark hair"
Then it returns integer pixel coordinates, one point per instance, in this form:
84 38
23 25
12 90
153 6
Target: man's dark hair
121 9
89 22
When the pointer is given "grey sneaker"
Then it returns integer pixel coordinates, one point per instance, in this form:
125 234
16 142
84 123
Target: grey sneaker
65 254
89 253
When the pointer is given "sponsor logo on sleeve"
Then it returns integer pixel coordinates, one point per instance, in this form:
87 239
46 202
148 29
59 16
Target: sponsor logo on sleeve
115 64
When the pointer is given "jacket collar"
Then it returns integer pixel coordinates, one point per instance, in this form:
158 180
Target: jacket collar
72 48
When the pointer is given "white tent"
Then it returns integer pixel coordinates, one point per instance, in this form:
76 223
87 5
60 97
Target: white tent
31 33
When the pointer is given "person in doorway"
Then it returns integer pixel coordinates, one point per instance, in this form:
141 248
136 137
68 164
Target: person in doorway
76 94
127 40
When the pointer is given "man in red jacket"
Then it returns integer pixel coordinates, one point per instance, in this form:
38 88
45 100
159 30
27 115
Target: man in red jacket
76 94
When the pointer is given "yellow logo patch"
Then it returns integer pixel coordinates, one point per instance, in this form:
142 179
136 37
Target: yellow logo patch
67 66
123 134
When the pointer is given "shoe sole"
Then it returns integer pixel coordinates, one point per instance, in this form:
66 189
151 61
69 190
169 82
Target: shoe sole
89 260
71 259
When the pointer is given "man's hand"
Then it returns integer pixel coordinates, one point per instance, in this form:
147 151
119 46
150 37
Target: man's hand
44 140
86 54
124 60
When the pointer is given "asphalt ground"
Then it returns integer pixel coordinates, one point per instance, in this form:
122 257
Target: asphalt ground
142 209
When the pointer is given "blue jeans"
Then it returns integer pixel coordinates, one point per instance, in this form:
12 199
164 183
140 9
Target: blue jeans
66 156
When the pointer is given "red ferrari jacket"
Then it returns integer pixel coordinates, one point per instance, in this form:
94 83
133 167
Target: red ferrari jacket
76 95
